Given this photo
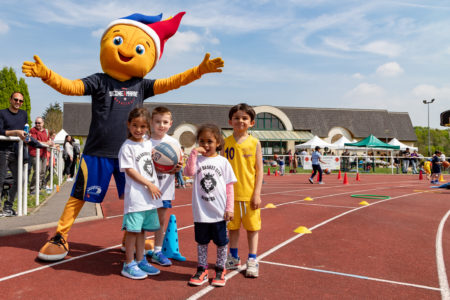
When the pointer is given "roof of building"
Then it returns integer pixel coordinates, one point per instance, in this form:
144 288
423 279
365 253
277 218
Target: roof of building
360 122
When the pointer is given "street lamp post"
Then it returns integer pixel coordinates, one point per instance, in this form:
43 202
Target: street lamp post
428 105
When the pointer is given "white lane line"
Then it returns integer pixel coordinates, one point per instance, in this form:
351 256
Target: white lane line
175 206
443 282
353 275
324 205
207 289
69 260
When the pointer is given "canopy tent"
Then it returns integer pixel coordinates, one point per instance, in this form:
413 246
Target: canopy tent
372 142
60 136
339 144
315 141
396 142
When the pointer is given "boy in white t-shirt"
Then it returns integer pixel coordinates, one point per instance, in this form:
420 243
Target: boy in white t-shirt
160 124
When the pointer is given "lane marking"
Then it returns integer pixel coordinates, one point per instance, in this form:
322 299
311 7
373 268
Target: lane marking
443 282
175 206
324 205
207 289
352 275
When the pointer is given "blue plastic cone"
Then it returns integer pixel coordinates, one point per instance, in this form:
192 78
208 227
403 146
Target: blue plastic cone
170 246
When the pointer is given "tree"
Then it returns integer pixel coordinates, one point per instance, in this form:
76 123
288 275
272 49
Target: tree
53 117
439 140
10 84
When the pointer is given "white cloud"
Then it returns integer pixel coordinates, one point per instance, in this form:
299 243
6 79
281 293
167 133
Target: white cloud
358 76
390 69
4 28
383 48
366 90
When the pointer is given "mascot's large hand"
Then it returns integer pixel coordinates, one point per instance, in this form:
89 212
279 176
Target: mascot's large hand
211 65
59 83
36 68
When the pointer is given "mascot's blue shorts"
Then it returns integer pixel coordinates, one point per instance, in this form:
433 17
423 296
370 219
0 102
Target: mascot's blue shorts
93 177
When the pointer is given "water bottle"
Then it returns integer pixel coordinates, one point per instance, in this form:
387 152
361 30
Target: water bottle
26 129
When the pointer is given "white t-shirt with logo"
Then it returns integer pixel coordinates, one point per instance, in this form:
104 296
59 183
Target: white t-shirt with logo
166 181
209 195
138 156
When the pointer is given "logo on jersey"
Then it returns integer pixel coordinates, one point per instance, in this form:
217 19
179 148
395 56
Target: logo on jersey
94 190
124 96
208 183
148 167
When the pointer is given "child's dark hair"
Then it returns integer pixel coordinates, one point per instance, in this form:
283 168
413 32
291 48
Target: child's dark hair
139 112
161 110
245 108
215 131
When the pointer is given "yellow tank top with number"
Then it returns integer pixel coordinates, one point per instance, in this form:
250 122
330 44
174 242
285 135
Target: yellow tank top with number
242 158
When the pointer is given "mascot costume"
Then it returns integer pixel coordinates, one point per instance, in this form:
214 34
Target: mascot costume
129 49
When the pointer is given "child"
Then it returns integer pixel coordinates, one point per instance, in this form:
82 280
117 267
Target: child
281 165
161 123
435 167
243 151
316 159
141 192
427 168
212 201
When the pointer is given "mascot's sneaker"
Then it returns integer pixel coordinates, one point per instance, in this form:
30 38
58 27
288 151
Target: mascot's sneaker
55 249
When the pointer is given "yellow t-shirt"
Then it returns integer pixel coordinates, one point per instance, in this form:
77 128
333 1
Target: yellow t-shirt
242 158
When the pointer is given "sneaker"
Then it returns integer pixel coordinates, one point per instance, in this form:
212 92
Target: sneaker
321 182
9 212
160 259
55 249
219 279
232 263
252 268
200 277
148 268
132 271
311 181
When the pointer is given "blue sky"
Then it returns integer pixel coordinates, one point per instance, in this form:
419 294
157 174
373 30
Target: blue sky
304 53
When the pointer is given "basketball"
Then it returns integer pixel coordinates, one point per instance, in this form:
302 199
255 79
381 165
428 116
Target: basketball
327 171
166 156
445 164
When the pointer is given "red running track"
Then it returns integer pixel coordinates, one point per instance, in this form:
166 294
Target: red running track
386 250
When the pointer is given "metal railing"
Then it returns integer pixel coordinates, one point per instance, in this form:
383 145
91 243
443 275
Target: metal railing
22 173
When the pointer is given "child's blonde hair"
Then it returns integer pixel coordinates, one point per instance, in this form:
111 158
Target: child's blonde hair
161 110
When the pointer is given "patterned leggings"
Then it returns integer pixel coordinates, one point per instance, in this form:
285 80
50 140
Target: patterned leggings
202 251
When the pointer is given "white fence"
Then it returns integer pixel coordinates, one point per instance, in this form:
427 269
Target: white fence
22 173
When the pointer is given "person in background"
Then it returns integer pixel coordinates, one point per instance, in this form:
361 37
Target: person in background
406 160
281 164
41 134
316 159
179 174
52 135
76 156
414 158
68 157
435 167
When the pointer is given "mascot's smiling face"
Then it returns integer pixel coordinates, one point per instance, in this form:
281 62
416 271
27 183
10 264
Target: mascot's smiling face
127 51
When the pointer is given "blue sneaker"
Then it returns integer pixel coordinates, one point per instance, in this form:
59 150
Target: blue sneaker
148 268
160 259
132 271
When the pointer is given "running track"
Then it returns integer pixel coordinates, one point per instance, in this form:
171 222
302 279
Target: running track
391 249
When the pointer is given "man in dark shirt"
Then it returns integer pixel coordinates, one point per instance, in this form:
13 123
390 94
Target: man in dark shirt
12 122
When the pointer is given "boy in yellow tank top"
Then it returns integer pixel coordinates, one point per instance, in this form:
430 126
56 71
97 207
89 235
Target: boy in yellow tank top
243 151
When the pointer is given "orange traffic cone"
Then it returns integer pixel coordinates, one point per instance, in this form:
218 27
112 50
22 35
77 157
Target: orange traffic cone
276 173
420 175
345 178
268 171
357 177
339 175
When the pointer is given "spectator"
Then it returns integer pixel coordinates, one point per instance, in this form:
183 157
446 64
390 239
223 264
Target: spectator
12 122
281 164
40 134
68 157
179 174
345 160
414 158
406 160
52 135
76 156
295 161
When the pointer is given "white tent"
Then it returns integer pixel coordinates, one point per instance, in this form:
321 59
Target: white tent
396 142
60 136
339 144
315 141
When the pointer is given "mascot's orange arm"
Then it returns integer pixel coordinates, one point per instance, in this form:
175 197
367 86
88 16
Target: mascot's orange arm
173 82
56 81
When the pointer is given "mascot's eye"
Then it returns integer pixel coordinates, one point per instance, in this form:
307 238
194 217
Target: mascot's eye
140 49
118 40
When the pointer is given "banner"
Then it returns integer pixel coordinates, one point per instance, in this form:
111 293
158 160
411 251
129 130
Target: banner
331 162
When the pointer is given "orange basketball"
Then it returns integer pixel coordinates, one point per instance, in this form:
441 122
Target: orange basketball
445 164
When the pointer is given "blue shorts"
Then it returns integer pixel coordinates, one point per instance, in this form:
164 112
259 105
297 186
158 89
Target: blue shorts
93 177
205 232
146 220
167 203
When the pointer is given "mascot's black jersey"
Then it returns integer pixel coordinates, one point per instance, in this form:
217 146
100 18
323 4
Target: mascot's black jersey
112 100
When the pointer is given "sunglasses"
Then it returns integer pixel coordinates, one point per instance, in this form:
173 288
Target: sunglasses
37 122
18 100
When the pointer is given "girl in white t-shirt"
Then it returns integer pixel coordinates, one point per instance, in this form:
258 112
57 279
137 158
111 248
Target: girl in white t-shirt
141 194
212 201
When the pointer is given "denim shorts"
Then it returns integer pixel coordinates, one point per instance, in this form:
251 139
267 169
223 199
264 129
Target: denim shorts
146 220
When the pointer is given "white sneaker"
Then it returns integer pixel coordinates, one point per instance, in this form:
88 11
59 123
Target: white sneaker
252 268
232 263
321 182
